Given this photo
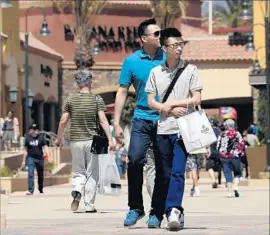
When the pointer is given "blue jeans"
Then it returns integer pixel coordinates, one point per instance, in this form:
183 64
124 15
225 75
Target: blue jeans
170 175
33 163
143 133
231 165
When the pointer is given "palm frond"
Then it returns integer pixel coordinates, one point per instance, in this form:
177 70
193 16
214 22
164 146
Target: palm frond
229 14
128 110
84 10
165 11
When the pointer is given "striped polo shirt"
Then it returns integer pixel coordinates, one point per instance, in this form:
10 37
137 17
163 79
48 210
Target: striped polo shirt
83 110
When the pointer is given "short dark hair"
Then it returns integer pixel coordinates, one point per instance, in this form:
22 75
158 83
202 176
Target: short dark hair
250 130
142 27
168 33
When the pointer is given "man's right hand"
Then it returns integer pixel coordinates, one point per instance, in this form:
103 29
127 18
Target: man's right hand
58 142
119 135
178 112
22 167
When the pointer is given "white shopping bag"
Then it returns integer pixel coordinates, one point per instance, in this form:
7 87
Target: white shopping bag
196 131
109 178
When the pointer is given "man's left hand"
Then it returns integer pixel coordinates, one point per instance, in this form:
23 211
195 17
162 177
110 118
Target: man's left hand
178 112
112 145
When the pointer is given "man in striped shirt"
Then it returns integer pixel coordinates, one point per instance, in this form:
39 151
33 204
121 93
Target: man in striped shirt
85 110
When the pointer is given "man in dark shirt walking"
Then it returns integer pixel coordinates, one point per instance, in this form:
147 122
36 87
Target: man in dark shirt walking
35 143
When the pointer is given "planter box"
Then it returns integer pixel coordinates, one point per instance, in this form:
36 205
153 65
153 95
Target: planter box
65 155
256 160
12 160
11 184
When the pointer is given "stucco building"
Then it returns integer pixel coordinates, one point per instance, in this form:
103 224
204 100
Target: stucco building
223 69
43 85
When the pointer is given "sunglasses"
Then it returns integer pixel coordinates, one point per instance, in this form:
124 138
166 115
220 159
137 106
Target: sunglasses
156 34
176 45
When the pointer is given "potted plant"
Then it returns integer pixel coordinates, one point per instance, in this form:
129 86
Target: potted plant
257 155
256 160
48 167
6 172
6 180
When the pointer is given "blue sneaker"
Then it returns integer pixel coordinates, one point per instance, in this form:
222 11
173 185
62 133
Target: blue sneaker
153 222
132 217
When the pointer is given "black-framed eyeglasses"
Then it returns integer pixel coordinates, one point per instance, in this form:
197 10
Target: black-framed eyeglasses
176 45
156 34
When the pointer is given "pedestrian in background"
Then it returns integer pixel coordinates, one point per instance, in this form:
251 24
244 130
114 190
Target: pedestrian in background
85 110
35 150
213 162
10 130
194 164
230 146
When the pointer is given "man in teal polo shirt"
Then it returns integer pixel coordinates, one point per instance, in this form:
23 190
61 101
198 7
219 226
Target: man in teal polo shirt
135 71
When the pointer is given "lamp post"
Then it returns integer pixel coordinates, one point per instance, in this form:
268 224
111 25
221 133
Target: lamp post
43 32
249 46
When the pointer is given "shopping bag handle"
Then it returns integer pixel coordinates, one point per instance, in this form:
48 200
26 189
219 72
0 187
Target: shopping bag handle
194 106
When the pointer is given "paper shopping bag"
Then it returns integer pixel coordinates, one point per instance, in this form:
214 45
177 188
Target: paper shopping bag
109 177
196 131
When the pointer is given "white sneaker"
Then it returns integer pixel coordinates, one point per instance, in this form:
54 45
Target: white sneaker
175 220
197 192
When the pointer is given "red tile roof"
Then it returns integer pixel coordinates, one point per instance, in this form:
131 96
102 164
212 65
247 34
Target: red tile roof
131 2
214 48
189 31
35 43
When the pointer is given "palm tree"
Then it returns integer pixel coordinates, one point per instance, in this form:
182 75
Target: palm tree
126 118
229 13
128 111
84 10
166 11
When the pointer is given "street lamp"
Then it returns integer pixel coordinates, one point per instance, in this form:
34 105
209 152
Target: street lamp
96 49
5 4
256 66
13 94
246 15
43 32
249 42
30 98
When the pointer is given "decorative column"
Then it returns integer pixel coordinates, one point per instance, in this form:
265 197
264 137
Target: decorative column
52 118
41 115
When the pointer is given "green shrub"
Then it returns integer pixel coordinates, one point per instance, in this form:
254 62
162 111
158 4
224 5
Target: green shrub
128 111
6 172
262 115
49 166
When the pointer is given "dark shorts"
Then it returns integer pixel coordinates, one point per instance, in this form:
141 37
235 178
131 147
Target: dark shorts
214 163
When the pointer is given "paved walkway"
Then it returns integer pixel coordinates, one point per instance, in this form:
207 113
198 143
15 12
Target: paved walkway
212 213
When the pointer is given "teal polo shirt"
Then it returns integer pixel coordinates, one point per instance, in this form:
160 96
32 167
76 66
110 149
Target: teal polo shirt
135 70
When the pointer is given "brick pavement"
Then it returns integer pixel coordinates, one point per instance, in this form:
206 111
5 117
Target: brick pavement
212 213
